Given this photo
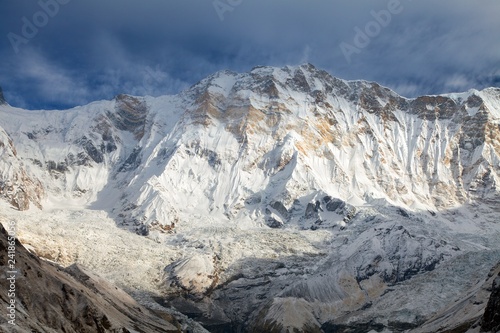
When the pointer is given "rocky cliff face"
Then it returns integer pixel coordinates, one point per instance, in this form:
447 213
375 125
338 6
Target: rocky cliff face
491 318
285 136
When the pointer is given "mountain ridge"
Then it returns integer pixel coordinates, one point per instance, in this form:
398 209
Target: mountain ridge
305 113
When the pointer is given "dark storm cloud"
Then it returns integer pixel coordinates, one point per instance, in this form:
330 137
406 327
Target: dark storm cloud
91 49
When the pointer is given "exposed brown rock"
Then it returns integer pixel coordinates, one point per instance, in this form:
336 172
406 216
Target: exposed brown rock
129 115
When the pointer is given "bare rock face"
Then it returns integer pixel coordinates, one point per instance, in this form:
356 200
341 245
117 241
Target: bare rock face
129 115
491 317
49 298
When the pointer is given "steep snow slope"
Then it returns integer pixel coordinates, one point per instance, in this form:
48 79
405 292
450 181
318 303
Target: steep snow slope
368 190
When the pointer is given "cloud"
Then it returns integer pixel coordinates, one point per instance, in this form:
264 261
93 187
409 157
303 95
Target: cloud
96 49
38 79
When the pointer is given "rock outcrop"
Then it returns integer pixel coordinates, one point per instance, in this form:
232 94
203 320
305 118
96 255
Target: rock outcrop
491 318
2 98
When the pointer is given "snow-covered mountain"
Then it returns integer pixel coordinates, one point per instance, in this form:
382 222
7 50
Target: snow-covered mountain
271 145
374 190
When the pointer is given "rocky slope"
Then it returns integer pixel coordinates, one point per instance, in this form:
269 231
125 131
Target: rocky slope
474 311
281 191
52 299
